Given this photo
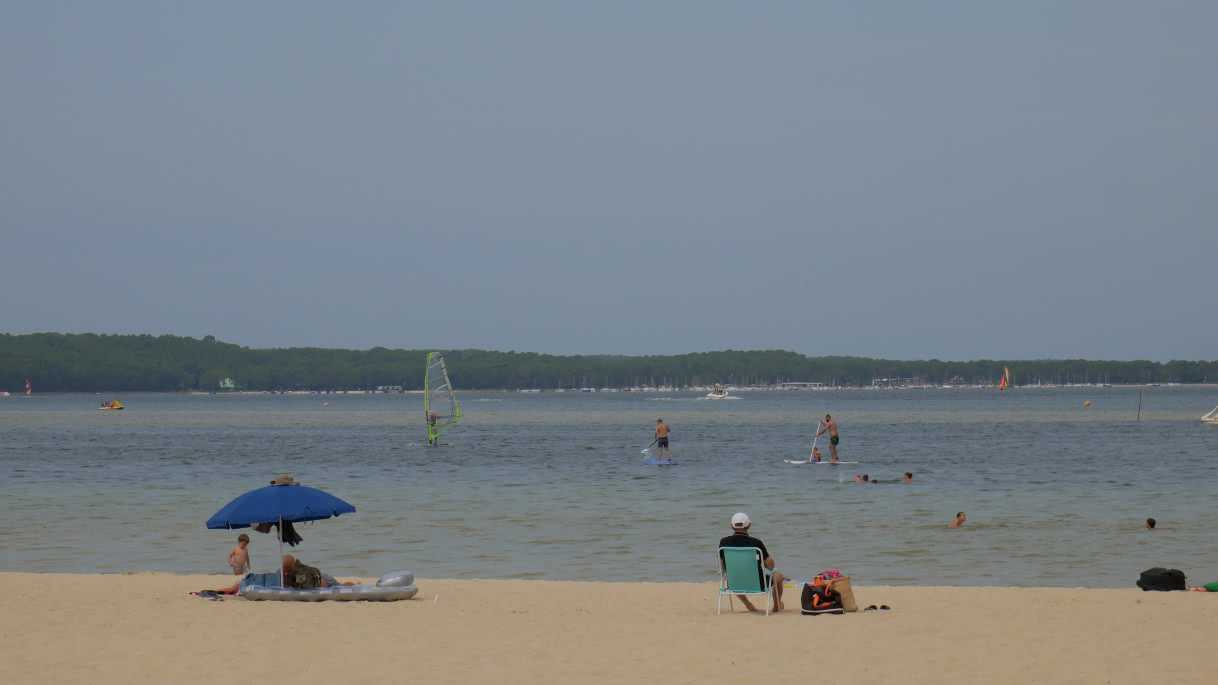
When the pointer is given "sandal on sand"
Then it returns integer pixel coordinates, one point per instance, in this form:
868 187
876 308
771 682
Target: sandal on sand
870 608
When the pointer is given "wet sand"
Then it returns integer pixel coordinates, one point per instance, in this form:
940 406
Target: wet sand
147 628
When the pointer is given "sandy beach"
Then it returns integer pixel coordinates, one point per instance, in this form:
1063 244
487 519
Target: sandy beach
146 627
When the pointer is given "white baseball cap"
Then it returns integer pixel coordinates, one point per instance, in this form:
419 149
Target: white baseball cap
741 520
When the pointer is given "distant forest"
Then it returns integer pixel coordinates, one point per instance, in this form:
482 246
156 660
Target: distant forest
55 362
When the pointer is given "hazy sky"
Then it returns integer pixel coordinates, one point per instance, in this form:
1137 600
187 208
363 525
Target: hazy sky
902 180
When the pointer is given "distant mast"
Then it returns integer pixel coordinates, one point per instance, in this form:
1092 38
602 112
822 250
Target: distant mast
27 388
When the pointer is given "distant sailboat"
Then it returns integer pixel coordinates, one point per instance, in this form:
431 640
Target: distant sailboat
27 388
1211 417
1006 379
439 403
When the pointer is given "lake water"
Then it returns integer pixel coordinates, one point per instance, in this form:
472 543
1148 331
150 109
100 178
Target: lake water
552 485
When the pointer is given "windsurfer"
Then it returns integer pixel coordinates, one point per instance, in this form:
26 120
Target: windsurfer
831 427
431 421
440 410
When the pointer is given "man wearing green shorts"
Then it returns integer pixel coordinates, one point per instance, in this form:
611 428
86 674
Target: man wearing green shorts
831 427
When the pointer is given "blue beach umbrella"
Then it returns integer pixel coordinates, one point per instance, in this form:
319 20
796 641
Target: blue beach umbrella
283 501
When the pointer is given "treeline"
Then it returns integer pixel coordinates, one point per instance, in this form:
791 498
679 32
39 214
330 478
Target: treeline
55 362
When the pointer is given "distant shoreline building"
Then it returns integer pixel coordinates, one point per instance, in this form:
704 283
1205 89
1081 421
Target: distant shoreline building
913 382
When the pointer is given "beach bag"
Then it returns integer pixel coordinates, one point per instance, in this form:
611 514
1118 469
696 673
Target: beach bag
820 599
841 586
1162 579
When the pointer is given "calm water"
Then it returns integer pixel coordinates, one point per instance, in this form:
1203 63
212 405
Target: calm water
553 486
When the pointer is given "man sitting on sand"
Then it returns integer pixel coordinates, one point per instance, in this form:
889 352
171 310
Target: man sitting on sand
300 575
740 538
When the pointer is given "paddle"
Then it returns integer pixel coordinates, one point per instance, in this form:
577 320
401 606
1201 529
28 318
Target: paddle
812 455
649 446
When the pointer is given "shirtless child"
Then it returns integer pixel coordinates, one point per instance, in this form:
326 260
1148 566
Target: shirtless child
239 557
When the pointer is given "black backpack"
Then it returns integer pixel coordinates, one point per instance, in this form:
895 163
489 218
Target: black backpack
1162 579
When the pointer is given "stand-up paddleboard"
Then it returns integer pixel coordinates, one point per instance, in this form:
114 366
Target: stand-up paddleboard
654 462
797 461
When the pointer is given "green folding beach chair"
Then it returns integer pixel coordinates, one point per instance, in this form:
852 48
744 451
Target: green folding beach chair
741 572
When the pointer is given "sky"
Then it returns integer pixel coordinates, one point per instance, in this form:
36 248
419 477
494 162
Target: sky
903 180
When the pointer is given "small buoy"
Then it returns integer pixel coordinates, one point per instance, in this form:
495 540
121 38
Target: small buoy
328 404
1087 403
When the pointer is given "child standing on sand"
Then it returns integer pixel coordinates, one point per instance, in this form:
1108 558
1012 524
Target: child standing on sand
239 557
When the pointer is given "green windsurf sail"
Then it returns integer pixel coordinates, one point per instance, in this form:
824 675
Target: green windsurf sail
439 403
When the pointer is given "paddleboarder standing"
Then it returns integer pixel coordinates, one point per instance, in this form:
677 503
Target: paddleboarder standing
831 428
662 440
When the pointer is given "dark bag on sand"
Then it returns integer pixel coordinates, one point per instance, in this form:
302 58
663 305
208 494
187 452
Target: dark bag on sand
820 599
1162 579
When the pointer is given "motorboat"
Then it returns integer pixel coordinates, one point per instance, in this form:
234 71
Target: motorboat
111 405
719 393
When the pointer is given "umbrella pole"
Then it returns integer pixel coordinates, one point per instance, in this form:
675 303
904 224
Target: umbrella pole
281 552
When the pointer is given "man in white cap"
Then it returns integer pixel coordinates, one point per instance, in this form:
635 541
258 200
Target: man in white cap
740 538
